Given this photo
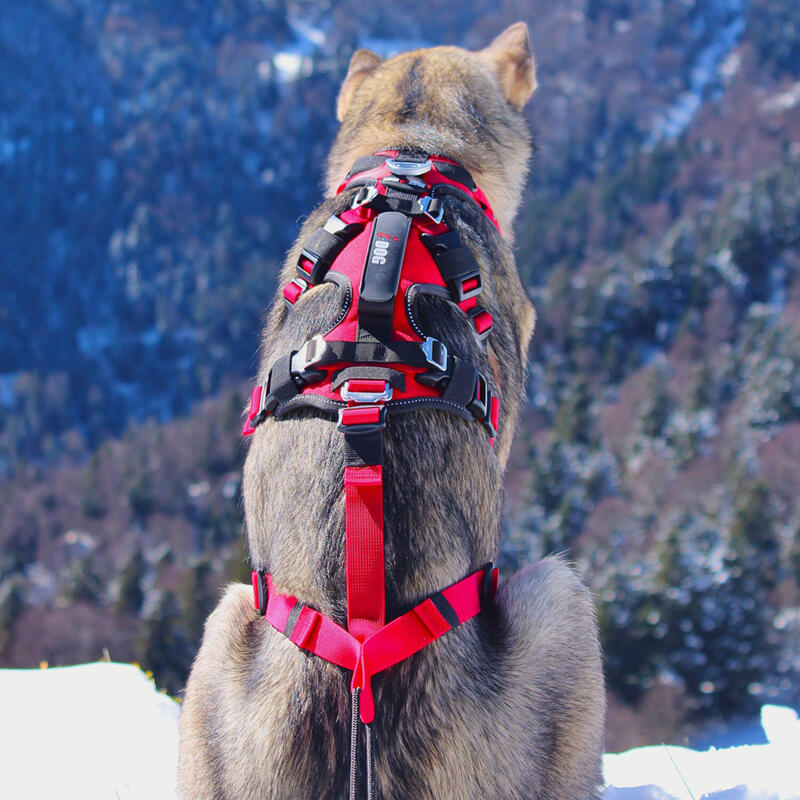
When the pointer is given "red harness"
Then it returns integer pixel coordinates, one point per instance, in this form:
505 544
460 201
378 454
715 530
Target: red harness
390 245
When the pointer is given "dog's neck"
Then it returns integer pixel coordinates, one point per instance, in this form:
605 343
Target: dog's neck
502 182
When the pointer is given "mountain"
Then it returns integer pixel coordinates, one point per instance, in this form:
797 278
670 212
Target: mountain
158 160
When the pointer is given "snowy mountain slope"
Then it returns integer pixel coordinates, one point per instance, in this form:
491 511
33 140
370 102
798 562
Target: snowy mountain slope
102 731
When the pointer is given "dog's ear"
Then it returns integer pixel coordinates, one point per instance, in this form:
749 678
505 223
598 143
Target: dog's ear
362 64
510 56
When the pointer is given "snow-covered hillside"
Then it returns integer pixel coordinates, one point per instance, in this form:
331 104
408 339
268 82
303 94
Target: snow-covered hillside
103 732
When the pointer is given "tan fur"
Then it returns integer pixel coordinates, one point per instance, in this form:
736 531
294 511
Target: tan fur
509 705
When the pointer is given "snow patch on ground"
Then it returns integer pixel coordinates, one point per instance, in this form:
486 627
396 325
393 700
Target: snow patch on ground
103 732
91 732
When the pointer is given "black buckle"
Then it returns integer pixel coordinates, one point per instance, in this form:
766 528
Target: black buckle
487 583
318 267
467 294
478 405
262 591
474 312
359 428
408 185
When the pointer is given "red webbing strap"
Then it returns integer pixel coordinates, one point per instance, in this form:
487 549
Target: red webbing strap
386 647
363 520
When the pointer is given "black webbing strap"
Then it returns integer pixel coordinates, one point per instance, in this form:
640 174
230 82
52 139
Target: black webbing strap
323 246
365 163
363 449
461 386
392 376
455 173
456 264
393 352
282 386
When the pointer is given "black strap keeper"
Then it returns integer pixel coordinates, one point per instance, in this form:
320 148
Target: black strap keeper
461 388
487 583
444 607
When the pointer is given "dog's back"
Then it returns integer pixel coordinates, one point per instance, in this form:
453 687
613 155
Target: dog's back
510 704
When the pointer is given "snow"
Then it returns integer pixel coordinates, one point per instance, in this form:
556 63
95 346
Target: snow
750 772
92 732
709 66
103 732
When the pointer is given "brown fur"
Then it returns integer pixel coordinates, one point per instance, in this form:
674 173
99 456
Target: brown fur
509 705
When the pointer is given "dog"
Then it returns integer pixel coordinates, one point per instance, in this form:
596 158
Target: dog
509 705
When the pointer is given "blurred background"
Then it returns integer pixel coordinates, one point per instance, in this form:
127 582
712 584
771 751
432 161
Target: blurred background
155 160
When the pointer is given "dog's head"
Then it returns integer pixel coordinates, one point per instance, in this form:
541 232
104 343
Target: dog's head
450 102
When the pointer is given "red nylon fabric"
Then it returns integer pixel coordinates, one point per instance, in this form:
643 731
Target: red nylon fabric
363 517
390 645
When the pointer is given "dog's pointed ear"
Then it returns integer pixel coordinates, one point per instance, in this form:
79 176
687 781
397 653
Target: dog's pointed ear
362 64
510 56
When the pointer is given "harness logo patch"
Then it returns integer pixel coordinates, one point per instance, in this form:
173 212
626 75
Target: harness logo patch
380 249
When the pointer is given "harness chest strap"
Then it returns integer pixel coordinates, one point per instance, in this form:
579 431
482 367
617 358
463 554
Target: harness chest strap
391 644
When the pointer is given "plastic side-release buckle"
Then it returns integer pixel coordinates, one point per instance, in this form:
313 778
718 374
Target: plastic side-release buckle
490 421
362 419
479 404
260 591
364 196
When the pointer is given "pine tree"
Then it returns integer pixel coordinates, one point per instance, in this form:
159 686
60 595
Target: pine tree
131 594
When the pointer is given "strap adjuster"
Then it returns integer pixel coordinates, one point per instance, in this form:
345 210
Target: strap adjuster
481 320
364 196
435 353
362 419
309 354
360 393
432 207
309 266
